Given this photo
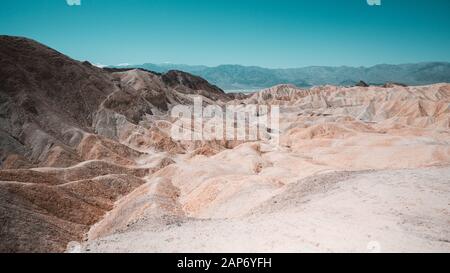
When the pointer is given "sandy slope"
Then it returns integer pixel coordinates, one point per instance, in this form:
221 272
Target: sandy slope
313 191
388 211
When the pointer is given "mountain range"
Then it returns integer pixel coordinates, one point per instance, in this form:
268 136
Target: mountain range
237 77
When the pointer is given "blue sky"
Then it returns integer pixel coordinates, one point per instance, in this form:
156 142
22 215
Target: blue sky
269 33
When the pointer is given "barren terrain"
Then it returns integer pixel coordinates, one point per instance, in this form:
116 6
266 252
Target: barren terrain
88 164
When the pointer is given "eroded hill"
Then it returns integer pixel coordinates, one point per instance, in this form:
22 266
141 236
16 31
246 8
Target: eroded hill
87 155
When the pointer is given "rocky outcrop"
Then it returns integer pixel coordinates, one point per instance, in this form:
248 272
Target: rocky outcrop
75 139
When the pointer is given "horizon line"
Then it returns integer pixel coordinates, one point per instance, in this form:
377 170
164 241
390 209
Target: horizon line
271 68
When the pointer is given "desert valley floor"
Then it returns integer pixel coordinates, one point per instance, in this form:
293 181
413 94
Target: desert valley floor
88 165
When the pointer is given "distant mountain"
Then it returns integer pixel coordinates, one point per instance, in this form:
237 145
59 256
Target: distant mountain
237 77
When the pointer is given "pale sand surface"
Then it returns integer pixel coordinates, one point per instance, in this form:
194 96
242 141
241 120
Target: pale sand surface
387 211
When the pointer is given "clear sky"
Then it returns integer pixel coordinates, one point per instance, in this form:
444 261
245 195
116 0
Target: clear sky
269 33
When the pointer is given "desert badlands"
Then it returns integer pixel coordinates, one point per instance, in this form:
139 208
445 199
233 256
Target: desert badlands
88 164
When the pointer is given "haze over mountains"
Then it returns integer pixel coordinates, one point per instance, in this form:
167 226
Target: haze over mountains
237 77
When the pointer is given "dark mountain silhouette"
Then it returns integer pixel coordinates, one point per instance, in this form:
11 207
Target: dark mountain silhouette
233 77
